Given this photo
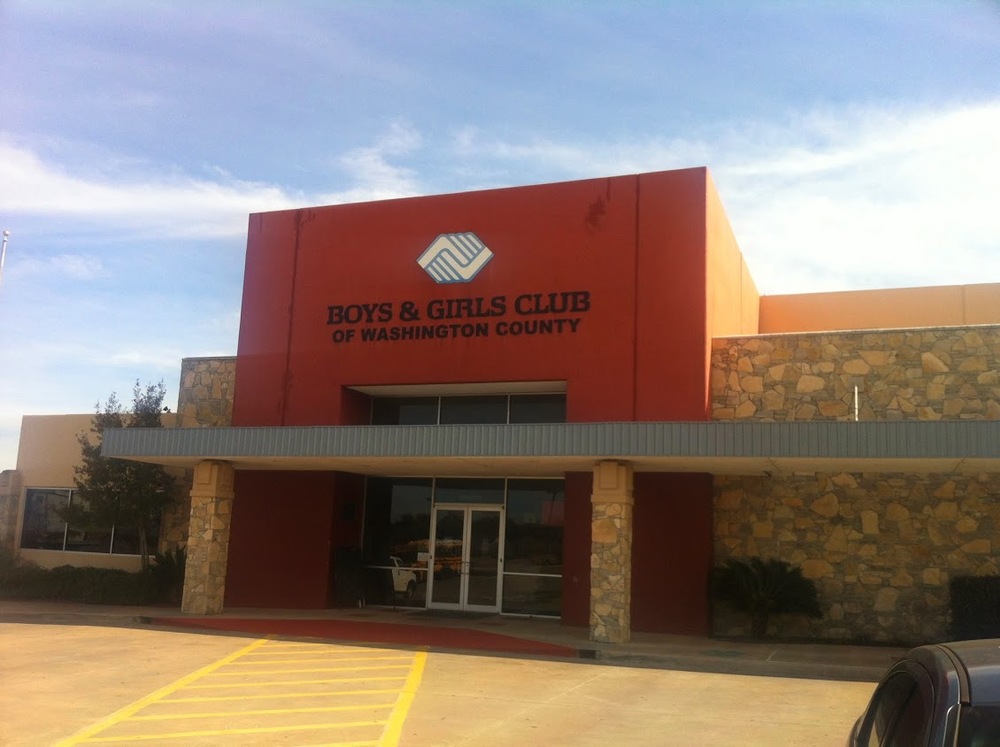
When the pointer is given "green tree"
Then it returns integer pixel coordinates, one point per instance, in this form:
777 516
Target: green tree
117 492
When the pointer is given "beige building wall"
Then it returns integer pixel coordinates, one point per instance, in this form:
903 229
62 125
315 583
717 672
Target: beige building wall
895 308
47 453
881 547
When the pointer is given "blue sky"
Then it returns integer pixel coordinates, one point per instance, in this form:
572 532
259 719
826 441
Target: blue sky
855 145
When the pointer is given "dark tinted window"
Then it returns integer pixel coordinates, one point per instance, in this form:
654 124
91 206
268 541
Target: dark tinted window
44 528
397 520
979 726
501 408
538 408
462 490
901 712
456 410
534 534
405 411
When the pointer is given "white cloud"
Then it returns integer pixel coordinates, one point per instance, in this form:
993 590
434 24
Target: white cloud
73 266
826 200
376 178
172 205
880 199
823 200
165 205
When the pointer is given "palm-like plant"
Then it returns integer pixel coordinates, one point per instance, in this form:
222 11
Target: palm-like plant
763 588
168 572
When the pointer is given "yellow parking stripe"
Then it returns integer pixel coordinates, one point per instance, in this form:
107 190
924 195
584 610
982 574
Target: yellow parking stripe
129 710
262 711
390 726
223 732
339 659
275 696
394 729
252 661
230 685
310 669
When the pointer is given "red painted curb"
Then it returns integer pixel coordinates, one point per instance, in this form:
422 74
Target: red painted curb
378 632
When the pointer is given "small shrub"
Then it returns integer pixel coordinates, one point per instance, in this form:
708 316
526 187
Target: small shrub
975 607
20 580
763 588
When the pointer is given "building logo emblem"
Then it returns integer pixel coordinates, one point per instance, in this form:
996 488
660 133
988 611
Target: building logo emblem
455 257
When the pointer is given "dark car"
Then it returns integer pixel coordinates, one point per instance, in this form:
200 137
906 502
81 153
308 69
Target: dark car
941 694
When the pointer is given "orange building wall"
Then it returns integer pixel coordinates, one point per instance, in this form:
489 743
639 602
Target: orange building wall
939 306
732 301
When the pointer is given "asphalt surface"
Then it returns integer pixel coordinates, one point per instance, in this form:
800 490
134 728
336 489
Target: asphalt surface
105 682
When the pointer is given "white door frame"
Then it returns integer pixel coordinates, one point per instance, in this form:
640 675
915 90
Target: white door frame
465 566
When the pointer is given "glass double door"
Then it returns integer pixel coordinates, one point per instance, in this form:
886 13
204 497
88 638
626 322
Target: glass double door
467 558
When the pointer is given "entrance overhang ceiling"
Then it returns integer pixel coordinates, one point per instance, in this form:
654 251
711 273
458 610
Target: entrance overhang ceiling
967 447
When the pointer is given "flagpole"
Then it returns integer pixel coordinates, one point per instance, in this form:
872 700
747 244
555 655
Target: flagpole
3 253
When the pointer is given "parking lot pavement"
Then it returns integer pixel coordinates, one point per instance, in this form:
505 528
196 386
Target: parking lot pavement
113 685
275 691
69 685
474 701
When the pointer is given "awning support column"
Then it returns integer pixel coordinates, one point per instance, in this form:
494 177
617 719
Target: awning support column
611 553
208 538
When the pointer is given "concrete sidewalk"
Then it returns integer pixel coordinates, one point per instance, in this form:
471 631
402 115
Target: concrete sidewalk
489 634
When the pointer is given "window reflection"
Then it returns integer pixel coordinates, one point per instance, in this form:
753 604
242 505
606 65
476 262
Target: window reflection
395 552
461 490
397 530
405 411
45 529
476 409
538 408
456 410
534 526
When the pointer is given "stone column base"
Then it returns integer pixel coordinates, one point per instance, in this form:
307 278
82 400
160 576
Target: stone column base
611 553
208 538
10 500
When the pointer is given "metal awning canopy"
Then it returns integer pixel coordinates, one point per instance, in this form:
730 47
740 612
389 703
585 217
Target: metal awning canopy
947 446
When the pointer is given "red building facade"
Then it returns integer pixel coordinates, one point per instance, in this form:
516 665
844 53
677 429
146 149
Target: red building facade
605 292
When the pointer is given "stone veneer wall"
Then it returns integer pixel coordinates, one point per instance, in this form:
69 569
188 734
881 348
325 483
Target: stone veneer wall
881 547
206 392
205 399
10 494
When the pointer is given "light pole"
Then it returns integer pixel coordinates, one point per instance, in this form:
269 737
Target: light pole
3 253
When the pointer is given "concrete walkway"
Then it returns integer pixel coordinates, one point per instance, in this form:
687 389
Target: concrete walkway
493 634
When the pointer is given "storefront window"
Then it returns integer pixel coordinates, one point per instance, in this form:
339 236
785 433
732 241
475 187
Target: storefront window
398 515
405 411
478 409
532 582
534 526
397 529
92 538
455 410
44 528
538 408
462 490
